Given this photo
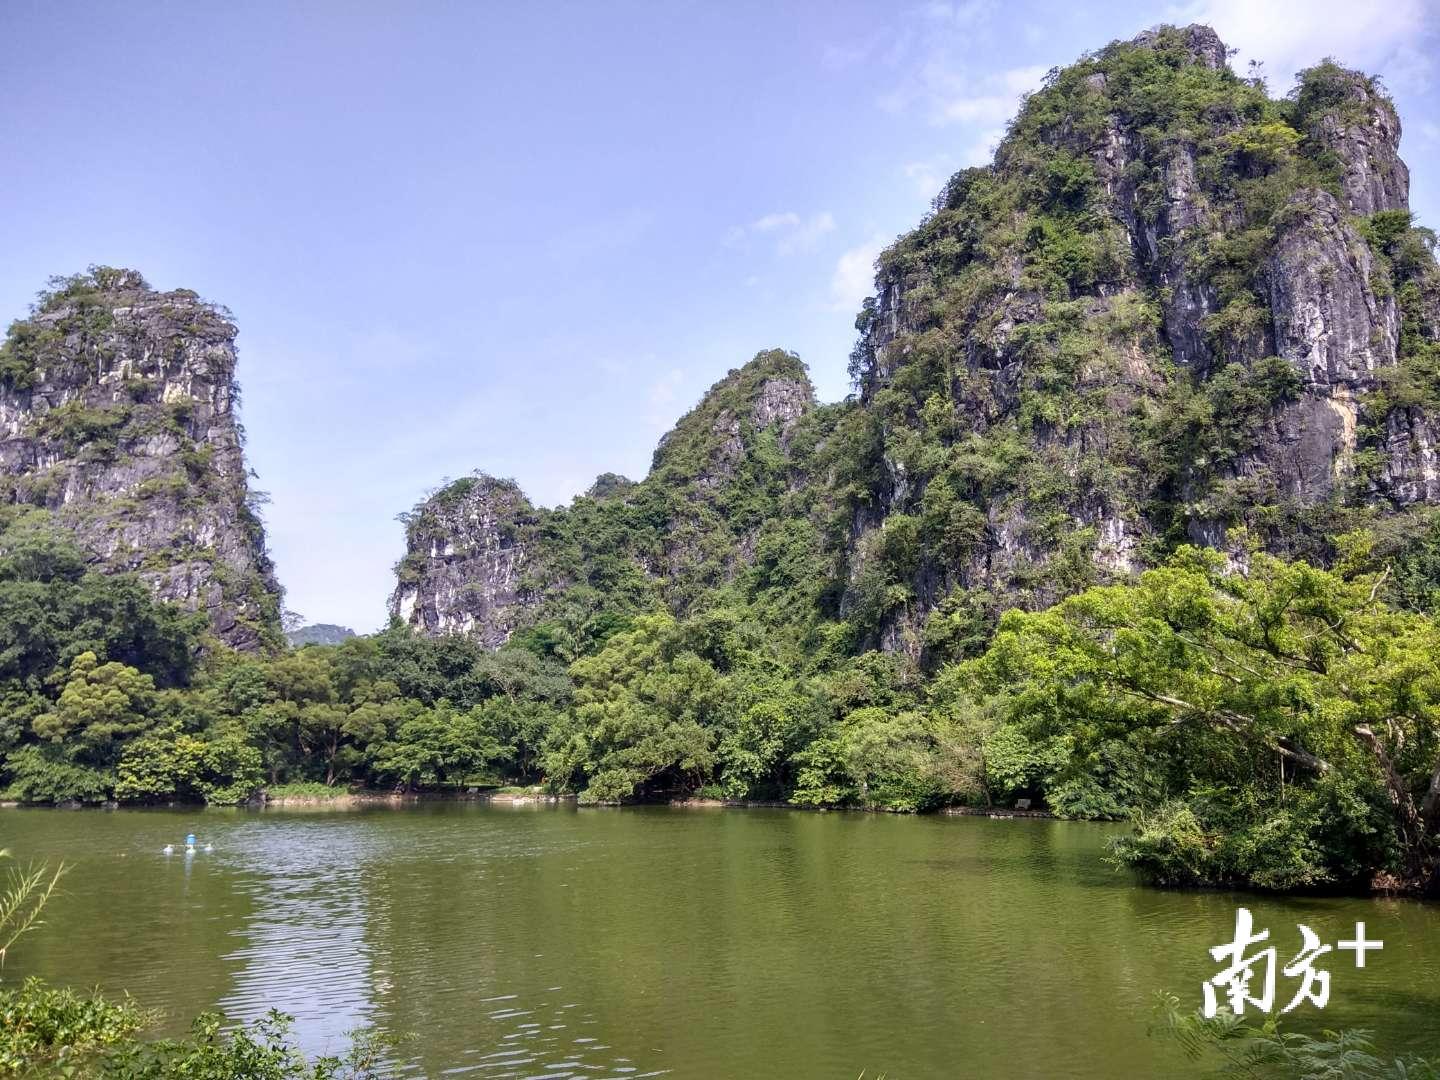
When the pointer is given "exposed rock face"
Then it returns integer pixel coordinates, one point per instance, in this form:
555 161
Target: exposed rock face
1348 116
1328 321
1412 456
1201 43
707 445
482 561
464 551
117 415
1330 324
1189 286
782 402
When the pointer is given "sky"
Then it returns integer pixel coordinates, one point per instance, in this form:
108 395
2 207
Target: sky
525 238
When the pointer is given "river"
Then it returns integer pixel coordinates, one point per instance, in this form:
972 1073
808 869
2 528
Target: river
690 943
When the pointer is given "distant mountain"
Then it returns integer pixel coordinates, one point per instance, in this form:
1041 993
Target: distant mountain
319 634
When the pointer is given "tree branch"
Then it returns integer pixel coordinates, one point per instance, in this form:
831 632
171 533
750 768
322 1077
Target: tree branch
1395 784
1233 721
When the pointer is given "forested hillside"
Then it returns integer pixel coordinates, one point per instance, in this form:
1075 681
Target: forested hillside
1130 514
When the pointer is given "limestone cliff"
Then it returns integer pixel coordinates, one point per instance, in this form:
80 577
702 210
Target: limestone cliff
1172 307
464 548
482 561
117 414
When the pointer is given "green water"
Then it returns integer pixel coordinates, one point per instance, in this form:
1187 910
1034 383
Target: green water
695 943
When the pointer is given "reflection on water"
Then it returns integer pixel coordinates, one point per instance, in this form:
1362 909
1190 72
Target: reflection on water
303 950
551 942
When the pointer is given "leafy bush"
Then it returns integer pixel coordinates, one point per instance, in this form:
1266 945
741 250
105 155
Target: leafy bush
1235 1047
62 1032
45 774
57 1032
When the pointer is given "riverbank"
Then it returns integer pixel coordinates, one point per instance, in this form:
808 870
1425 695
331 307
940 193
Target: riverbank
339 800
317 796
780 804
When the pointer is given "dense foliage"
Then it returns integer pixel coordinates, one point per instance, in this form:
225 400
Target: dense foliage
106 697
1278 728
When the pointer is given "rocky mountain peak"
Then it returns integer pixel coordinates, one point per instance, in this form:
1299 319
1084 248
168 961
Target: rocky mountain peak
609 484
1157 238
1199 42
483 562
117 416
464 547
765 396
1348 114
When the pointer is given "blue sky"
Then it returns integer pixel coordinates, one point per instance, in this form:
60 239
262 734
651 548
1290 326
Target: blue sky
526 237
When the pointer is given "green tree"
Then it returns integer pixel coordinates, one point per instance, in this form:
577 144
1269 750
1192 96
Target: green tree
100 707
436 746
222 768
1285 682
644 700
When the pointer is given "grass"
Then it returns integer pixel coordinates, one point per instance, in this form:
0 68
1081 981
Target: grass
22 899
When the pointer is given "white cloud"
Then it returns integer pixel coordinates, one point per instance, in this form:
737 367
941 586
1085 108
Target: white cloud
793 233
808 234
981 109
772 222
854 277
1288 35
965 14
989 102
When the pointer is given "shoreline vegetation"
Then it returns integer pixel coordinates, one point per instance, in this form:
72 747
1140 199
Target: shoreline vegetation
305 795
1276 730
318 795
